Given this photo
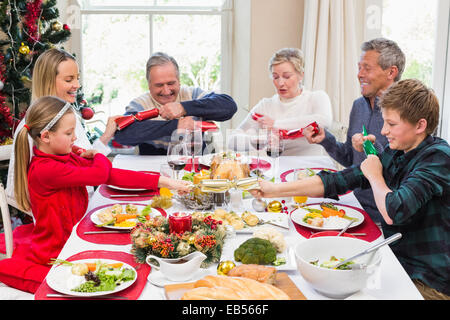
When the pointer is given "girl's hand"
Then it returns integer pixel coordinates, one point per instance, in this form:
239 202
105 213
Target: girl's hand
182 186
110 130
89 154
372 167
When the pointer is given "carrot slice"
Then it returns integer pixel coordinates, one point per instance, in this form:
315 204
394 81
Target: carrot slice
328 212
124 216
92 266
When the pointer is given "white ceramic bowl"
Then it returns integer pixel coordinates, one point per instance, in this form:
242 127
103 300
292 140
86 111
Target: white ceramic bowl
332 283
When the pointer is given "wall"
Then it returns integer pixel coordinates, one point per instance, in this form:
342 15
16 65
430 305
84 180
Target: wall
260 27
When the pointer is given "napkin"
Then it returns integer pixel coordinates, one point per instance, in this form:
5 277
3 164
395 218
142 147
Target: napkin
133 292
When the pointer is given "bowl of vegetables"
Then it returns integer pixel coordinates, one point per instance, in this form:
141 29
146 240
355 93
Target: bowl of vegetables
316 258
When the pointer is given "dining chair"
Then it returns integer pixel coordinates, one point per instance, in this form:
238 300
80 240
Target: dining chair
6 218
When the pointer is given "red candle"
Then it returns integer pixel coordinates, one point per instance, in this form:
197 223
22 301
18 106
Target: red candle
180 222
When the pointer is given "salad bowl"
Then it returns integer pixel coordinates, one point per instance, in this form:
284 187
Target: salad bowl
316 258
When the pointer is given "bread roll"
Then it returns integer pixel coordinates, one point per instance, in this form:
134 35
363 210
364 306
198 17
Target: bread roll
254 271
242 288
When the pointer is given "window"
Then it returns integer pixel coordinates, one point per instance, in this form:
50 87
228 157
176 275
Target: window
117 38
414 30
414 25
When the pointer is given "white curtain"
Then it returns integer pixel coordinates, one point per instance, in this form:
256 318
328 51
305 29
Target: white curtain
332 35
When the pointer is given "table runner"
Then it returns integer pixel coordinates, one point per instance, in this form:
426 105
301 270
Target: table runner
133 292
368 227
86 224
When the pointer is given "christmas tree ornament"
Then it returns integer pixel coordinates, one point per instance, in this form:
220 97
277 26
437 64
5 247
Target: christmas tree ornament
66 27
87 113
24 49
275 206
224 267
56 26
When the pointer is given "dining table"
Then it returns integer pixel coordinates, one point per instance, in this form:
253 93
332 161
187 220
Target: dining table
390 282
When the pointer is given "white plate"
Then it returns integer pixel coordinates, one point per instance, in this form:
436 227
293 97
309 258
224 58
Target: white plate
298 214
290 174
232 244
96 220
124 189
61 279
157 278
278 220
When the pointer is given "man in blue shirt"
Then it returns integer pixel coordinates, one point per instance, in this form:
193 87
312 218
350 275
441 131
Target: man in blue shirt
381 64
179 106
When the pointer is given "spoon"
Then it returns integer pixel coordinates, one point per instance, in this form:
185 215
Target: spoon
345 229
358 266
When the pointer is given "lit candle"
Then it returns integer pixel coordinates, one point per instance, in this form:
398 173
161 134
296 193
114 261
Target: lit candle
180 222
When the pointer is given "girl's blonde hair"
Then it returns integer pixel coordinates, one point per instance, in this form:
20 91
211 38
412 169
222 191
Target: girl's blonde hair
45 71
40 113
292 55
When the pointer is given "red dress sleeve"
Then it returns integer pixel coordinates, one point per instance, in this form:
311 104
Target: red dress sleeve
133 179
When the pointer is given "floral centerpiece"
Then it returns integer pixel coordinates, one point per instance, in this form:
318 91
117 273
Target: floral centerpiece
153 237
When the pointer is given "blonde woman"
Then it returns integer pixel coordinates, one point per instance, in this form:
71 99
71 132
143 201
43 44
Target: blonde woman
54 184
56 73
292 106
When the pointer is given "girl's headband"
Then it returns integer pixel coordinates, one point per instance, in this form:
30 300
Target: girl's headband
56 118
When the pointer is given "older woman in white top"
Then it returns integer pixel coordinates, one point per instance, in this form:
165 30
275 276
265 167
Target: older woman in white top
293 106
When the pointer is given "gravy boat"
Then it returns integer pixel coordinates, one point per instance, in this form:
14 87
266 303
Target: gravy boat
178 269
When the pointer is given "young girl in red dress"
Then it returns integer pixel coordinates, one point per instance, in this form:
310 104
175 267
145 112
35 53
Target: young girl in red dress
54 184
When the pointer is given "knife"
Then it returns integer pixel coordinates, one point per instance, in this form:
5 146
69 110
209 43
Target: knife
58 295
130 195
107 231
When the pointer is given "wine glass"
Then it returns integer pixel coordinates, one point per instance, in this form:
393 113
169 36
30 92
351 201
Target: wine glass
259 142
299 199
177 155
275 147
194 142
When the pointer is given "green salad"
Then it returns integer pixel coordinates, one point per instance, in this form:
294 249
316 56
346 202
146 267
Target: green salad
329 264
105 278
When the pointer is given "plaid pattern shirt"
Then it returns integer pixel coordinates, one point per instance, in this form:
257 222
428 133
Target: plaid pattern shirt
419 206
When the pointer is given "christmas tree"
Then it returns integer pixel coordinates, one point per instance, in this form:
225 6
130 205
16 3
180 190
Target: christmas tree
28 28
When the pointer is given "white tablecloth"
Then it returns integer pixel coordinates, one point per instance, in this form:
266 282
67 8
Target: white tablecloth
391 283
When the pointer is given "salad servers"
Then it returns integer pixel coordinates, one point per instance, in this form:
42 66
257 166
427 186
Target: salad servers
358 266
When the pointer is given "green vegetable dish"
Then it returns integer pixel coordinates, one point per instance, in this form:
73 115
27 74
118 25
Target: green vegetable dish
256 251
329 264
105 279
98 275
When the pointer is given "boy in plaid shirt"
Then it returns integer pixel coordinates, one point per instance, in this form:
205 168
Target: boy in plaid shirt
410 181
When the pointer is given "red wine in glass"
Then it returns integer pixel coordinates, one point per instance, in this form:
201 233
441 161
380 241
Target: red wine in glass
274 152
177 165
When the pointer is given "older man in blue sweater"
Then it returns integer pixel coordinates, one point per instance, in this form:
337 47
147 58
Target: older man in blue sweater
179 107
381 64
